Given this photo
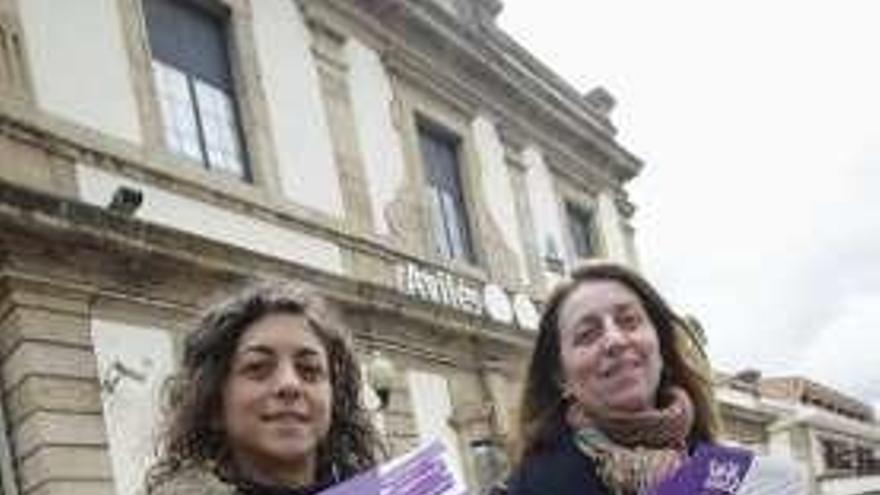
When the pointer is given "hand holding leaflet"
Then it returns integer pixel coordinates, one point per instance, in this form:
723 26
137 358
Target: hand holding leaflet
424 471
721 470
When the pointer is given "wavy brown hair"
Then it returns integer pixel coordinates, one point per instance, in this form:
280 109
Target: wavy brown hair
192 436
542 407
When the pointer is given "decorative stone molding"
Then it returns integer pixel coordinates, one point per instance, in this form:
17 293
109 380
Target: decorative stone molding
328 45
15 79
491 70
489 9
179 260
602 101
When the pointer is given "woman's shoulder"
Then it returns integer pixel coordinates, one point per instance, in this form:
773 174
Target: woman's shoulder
194 482
560 469
203 482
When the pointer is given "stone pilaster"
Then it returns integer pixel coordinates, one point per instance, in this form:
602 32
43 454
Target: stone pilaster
328 47
51 391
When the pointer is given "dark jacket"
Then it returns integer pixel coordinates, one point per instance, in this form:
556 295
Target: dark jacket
560 470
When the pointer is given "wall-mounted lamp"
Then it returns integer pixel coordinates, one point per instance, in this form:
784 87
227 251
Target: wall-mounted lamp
380 376
116 372
126 200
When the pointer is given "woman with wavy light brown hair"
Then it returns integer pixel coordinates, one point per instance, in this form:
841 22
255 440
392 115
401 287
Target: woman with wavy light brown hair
268 401
611 403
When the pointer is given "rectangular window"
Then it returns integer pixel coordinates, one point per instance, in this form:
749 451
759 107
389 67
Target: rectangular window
580 222
194 86
452 238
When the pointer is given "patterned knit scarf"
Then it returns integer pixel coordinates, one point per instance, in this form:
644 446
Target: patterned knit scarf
635 451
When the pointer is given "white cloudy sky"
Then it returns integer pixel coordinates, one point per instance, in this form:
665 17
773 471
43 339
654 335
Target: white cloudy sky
759 124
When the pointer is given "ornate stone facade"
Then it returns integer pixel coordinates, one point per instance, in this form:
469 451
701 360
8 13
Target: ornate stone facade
329 94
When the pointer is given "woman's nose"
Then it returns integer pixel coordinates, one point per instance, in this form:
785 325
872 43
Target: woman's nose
287 380
614 337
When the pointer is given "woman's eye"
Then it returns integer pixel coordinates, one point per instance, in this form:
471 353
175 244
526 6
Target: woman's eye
256 369
629 321
586 334
311 372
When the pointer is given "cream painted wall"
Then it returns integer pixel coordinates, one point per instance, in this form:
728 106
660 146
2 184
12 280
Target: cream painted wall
177 211
432 405
546 215
379 140
132 408
860 485
776 475
307 168
779 444
79 64
498 189
611 228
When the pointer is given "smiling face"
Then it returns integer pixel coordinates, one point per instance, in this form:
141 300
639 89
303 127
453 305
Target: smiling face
609 351
277 399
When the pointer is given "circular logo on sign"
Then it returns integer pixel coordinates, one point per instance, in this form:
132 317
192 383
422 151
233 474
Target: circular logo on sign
526 314
497 304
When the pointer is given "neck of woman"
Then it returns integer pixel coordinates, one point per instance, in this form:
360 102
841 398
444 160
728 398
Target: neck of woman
271 473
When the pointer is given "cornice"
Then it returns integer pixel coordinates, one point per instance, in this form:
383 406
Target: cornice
56 221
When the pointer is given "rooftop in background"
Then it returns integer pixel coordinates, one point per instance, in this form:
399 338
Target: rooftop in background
799 389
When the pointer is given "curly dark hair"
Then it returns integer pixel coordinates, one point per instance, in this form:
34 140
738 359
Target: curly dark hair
542 407
190 436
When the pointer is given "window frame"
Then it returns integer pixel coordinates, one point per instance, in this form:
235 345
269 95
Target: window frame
224 12
578 211
465 252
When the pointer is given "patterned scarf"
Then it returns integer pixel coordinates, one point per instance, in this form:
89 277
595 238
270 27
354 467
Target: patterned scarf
635 451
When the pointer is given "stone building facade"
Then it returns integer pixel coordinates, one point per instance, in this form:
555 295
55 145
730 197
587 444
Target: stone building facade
833 438
405 158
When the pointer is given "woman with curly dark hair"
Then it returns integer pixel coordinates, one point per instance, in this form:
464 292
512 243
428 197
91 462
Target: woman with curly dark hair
268 401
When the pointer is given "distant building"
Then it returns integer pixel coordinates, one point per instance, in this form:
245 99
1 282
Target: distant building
833 437
405 158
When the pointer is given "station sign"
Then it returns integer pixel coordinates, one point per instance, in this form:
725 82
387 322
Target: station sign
443 288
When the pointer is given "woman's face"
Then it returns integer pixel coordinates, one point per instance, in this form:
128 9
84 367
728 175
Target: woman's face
610 355
277 399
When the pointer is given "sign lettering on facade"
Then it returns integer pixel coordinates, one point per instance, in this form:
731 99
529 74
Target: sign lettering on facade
439 288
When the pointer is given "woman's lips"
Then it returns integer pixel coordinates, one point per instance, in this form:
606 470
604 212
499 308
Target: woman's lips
619 367
286 417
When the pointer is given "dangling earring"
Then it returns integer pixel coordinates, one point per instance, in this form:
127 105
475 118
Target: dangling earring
567 395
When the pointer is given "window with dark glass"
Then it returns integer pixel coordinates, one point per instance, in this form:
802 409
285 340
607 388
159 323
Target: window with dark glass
194 84
838 455
580 224
440 151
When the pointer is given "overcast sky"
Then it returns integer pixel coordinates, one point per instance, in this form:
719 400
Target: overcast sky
759 125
